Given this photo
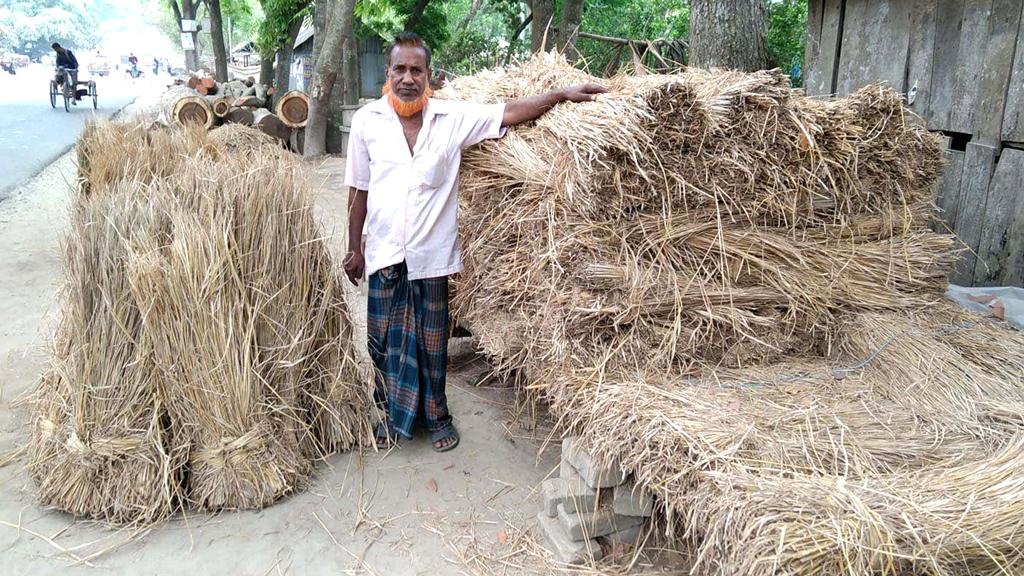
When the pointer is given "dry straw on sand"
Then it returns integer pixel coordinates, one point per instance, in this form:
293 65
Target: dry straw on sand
204 355
731 289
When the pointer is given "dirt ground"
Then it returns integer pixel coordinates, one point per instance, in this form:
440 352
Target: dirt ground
410 511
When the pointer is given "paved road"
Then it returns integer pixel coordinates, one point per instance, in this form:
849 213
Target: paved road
32 134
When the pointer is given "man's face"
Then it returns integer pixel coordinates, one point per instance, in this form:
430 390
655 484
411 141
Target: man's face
408 72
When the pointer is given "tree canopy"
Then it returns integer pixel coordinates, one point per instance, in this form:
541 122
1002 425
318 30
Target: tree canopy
480 31
468 35
30 26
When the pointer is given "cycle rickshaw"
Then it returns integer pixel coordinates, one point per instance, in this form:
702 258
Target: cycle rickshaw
61 84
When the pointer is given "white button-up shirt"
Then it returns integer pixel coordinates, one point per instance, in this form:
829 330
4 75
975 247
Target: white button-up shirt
412 199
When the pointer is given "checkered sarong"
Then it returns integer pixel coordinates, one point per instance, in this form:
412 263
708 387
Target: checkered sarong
407 333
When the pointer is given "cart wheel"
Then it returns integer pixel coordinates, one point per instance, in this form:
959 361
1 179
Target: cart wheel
67 99
92 91
53 94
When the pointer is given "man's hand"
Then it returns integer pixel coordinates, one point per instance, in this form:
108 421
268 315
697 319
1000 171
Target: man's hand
355 264
527 109
583 92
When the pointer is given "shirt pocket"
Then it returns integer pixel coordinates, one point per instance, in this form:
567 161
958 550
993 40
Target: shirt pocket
430 168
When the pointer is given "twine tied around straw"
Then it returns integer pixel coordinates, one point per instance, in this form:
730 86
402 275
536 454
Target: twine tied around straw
233 451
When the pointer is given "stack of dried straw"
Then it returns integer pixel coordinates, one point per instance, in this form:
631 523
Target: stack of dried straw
732 289
204 354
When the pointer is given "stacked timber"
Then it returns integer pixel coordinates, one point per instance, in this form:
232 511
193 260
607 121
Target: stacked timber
232 103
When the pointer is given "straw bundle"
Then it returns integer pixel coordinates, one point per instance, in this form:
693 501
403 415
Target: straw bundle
100 447
962 520
229 333
699 215
245 141
725 286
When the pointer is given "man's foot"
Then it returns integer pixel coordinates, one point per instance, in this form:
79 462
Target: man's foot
445 439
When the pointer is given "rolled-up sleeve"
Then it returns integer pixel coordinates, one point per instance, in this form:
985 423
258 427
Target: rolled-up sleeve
357 161
480 122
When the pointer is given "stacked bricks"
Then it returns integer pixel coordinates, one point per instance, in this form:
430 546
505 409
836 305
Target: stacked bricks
588 506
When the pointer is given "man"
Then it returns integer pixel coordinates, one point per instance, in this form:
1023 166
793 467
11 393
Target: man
403 159
133 65
66 58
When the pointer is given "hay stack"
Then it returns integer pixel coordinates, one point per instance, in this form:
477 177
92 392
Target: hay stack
697 214
726 286
211 305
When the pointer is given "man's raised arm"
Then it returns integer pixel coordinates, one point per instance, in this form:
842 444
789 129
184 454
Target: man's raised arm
526 109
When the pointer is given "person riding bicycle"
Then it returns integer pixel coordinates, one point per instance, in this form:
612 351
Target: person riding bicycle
133 61
66 59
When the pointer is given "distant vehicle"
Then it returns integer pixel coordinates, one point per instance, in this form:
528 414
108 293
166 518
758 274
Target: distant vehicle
15 60
99 65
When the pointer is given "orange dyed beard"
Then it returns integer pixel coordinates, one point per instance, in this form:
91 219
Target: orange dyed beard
407 109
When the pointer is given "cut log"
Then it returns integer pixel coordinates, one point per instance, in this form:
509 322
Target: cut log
238 115
169 99
210 84
193 110
221 105
193 82
203 90
293 108
267 122
297 141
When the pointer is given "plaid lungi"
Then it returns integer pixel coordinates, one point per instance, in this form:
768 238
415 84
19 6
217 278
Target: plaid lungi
407 333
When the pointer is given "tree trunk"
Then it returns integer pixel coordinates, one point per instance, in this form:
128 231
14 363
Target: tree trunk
728 34
339 28
220 54
266 70
321 9
515 37
568 28
474 7
350 83
187 11
283 70
543 18
415 15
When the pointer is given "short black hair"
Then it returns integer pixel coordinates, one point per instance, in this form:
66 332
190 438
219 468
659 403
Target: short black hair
408 39
55 45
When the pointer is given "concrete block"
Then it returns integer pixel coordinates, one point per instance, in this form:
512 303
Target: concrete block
629 500
581 526
565 549
596 476
553 490
626 537
565 469
578 496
